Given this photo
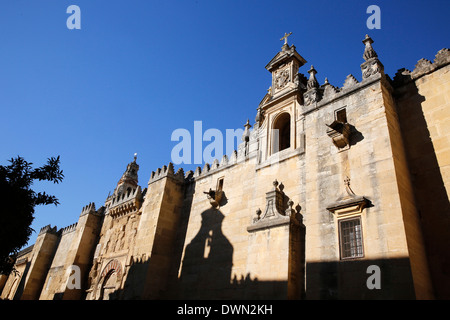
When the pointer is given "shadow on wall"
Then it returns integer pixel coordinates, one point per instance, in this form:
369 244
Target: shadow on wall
207 265
206 271
342 280
207 262
21 287
431 195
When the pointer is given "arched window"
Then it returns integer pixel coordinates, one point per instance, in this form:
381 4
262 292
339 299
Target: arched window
282 132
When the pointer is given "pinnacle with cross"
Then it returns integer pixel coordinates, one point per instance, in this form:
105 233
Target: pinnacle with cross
286 35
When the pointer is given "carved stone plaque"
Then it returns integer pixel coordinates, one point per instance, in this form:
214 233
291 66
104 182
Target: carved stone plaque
281 79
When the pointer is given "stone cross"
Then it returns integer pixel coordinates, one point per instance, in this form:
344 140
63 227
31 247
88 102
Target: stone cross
286 35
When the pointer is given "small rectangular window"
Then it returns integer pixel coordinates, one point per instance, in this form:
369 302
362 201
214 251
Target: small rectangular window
341 115
351 242
219 184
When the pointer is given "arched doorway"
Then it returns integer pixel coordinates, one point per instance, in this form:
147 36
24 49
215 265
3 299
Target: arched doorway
110 280
281 136
108 285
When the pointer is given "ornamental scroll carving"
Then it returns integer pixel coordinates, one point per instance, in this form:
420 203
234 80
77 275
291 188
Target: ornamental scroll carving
282 79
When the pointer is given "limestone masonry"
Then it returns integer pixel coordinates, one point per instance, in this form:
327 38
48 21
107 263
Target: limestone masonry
326 183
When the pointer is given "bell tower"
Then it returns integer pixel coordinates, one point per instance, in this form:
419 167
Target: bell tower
278 113
284 68
127 191
130 176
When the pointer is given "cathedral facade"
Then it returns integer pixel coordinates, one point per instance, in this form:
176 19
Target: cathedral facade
334 193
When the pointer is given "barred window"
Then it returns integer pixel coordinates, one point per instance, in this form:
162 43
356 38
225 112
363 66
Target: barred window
351 242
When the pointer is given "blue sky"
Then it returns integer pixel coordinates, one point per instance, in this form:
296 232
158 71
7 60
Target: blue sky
137 70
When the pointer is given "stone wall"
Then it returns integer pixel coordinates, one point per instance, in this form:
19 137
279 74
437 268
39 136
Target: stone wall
423 98
43 252
57 277
264 223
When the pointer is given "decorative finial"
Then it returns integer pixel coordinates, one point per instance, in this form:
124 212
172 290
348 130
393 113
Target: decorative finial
286 35
368 51
367 39
135 157
312 70
312 82
247 125
290 203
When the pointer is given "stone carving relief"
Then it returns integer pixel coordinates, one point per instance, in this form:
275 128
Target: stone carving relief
370 68
282 78
215 197
310 97
340 132
314 92
372 65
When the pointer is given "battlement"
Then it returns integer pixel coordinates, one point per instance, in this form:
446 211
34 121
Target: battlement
225 162
422 68
90 208
48 229
216 166
130 194
167 171
69 229
125 202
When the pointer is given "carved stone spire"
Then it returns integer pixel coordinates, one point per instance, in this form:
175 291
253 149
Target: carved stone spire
313 93
246 134
312 81
371 65
368 51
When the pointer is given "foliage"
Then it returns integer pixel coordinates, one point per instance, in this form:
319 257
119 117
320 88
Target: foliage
18 201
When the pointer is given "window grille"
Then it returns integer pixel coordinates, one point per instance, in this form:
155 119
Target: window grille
351 242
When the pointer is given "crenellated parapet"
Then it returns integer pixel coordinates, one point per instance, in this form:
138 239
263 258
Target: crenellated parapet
225 163
68 229
167 171
123 203
243 153
422 68
90 208
48 229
